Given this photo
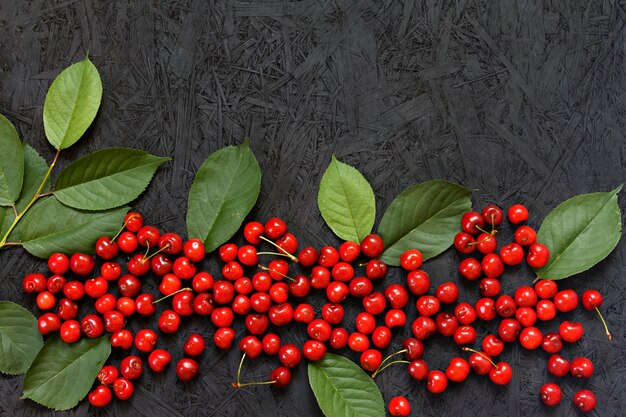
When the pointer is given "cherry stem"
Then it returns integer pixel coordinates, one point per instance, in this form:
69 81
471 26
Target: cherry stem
380 367
481 241
146 253
287 254
484 355
119 232
493 225
273 253
165 247
493 232
238 384
279 273
169 295
606 328
379 370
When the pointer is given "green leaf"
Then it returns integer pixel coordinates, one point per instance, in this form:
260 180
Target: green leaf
579 233
346 201
224 191
50 227
424 216
343 389
20 339
61 375
11 163
106 179
72 103
35 168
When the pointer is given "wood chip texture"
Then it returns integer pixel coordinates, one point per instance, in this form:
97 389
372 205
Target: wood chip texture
521 101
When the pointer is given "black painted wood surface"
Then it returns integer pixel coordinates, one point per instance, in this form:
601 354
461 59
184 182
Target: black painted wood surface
521 101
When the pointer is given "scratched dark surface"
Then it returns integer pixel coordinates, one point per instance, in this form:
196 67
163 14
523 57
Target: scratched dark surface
522 101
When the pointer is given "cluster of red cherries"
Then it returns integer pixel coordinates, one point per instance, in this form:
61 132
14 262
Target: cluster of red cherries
272 293
518 313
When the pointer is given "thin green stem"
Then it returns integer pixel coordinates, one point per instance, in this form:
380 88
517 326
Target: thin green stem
290 256
15 213
273 253
31 202
379 370
606 328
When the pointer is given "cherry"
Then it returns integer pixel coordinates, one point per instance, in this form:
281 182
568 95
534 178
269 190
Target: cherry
275 228
281 376
55 283
342 271
281 314
308 256
203 304
470 269
328 256
247 255
58 263
46 300
314 350
223 338
418 282
96 287
358 342
427 305
148 236
505 306
129 285
48 323
194 250
92 325
411 259
289 355
501 374
471 222
241 305
375 303
396 318
339 338
531 338
34 282
160 264
566 300
492 345
486 243
320 277
592 300
279 292
546 310
110 271
113 321
517 213
381 337
252 232
414 348
101 396
489 287
349 251
222 317
242 286
271 344
509 329
170 283
169 321
399 407
257 323
558 365
480 362
525 236
127 242
376 269
465 335
105 303
571 331
585 400
526 316
187 369
457 370
81 264
184 269
300 287
123 388
372 245
525 297
465 313
223 292
581 368
251 346
159 359
436 381
278 269
492 214
550 394
228 252
418 369
106 248
122 339
447 293
360 287
397 295
261 281
512 254
145 339
552 343
288 243
144 304
485 309
492 265
131 367
133 221
423 327
170 243
337 291
260 302
546 288
464 243
365 323
107 375
538 255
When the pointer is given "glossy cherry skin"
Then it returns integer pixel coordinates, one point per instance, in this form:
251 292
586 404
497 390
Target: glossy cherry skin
447 293
465 313
480 363
397 295
360 287
48 323
457 370
585 400
314 350
411 259
550 394
271 344
505 306
418 369
492 214
131 367
471 222
501 374
372 245
339 338
414 348
101 396
133 221
464 243
465 335
558 365
489 287
370 359
470 269
485 309
34 283
399 407
546 288
492 265
81 263
58 263
418 282
517 213
251 346
436 382
349 251
123 388
447 324
566 300
223 338
509 329
107 374
187 369
526 316
358 342
289 355
571 331
194 345
492 345
525 297
486 243
551 342
308 256
531 338
376 269
122 339
281 376
581 368
538 255
381 337
546 310
525 235
159 359
423 327
591 299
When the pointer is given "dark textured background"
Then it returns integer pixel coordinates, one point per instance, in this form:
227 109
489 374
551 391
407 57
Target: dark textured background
522 101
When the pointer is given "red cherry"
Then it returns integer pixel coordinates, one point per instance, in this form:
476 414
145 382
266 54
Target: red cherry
581 368
512 254
194 250
546 310
531 338
223 338
485 309
339 338
464 243
509 329
418 282
81 264
92 325
526 316
114 321
131 367
123 388
46 300
372 246
399 407
96 287
271 344
381 337
100 397
349 251
314 350
505 306
471 222
423 327
34 283
501 374
129 285
48 323
492 265
397 295
106 248
308 256
492 214
411 259
465 335
145 339
546 288
465 313
486 243
517 213
288 243
492 345
550 394
365 323
436 382
122 339
566 300
159 359
228 252
374 303
187 369
489 287
447 292
289 355
107 375
169 321
251 346
133 221
414 348
457 370
275 228
58 263
558 366
110 271
538 255
376 269
281 376
396 318
470 269
585 400
418 369
55 283
127 242
252 232
358 342
571 331
360 287
480 363
525 236
551 342
139 265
